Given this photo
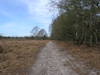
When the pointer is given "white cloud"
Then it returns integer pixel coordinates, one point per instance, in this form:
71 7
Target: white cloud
37 7
39 11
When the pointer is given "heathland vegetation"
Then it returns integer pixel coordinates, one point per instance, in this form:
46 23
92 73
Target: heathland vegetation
18 54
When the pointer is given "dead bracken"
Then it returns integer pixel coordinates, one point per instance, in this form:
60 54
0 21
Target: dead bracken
18 54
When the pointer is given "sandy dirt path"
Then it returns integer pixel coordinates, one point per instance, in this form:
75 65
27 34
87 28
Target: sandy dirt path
51 62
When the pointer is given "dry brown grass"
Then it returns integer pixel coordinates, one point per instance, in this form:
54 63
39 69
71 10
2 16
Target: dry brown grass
18 54
89 55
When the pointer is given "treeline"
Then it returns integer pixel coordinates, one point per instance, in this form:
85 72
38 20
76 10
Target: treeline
78 21
25 37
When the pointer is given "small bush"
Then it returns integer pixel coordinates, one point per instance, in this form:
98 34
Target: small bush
1 49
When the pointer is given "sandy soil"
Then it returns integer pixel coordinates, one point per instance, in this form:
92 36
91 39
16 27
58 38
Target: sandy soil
51 62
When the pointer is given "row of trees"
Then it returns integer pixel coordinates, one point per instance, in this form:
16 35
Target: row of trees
78 21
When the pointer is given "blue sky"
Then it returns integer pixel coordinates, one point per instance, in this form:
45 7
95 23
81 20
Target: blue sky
18 17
